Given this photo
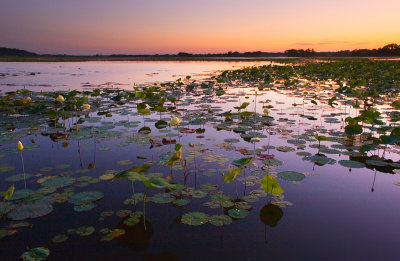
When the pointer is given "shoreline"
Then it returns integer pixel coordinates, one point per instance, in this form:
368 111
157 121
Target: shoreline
183 59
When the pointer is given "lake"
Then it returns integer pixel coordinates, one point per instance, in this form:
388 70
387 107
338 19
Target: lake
253 168
54 76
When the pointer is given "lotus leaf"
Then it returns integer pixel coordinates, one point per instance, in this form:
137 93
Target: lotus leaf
162 198
35 254
238 213
220 220
351 164
59 181
291 175
195 218
377 163
270 185
30 210
85 197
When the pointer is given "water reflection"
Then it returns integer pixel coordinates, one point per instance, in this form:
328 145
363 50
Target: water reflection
270 215
137 237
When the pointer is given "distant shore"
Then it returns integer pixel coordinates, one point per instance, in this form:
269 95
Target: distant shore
182 59
93 58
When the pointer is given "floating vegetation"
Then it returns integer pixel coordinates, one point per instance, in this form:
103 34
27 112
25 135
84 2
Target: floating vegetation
164 158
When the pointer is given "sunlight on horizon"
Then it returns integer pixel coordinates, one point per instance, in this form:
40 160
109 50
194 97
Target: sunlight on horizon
138 27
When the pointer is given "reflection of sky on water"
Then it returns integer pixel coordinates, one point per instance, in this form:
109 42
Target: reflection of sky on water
123 74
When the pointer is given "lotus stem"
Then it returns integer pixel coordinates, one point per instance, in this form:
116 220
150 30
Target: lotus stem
144 208
23 168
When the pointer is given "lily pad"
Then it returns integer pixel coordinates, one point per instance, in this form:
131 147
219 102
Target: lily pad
320 160
85 197
59 238
162 198
30 210
285 149
82 231
231 140
232 175
18 177
124 162
238 213
181 202
351 164
84 207
59 181
21 193
291 175
272 162
220 220
35 254
270 185
377 163
195 218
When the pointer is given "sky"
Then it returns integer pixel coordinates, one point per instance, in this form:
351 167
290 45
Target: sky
203 26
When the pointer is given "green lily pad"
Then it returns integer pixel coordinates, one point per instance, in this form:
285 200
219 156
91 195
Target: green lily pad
82 231
35 254
180 202
296 142
320 160
238 213
132 221
303 153
84 207
144 130
242 162
285 149
351 164
59 181
124 162
231 140
195 218
21 193
199 193
85 197
30 210
272 162
250 198
162 198
18 177
291 175
59 238
353 129
220 220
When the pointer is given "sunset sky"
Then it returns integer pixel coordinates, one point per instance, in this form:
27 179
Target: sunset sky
202 26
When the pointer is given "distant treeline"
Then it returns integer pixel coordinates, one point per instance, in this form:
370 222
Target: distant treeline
387 50
15 52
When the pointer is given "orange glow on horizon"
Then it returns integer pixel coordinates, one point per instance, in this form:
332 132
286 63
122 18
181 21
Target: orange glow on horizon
161 27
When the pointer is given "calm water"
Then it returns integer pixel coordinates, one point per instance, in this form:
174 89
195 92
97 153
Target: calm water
331 214
43 76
